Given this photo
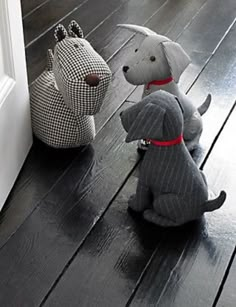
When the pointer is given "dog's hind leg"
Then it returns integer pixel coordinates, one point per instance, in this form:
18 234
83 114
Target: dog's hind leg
142 199
151 216
175 208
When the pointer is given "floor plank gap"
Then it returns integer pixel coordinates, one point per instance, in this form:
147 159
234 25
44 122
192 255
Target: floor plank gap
217 136
224 278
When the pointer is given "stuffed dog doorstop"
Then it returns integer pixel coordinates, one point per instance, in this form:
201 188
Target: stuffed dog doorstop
158 64
171 189
70 91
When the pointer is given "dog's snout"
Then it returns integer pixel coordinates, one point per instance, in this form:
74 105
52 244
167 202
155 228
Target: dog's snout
92 79
125 68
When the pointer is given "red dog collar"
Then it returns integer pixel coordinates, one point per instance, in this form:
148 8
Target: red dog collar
159 82
176 141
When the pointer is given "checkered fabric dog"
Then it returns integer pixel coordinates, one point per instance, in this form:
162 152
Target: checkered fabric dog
171 189
70 91
158 64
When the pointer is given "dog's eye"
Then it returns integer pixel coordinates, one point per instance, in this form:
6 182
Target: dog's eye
135 50
152 58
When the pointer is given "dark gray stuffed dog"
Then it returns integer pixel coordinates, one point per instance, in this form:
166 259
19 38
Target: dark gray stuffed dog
171 189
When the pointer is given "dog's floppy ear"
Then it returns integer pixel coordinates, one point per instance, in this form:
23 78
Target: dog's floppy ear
137 29
177 59
129 115
148 124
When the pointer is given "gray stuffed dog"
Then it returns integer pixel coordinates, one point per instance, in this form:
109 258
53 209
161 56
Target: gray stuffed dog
158 64
70 91
171 189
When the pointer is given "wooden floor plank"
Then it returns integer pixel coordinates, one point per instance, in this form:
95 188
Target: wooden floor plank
219 79
204 33
114 256
111 261
46 17
228 295
29 249
38 252
41 170
133 12
29 6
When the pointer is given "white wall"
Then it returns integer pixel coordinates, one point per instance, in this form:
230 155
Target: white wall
1 60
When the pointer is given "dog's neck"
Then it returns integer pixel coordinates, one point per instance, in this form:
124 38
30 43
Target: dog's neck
173 142
159 82
168 85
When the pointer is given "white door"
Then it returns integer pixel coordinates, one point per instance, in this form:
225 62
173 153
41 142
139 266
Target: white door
15 127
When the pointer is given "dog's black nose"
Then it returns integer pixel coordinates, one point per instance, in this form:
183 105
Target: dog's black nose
92 79
125 68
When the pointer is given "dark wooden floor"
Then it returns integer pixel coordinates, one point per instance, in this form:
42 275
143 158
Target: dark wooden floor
66 238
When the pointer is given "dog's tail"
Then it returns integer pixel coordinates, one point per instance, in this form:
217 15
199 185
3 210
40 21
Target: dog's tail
204 107
214 204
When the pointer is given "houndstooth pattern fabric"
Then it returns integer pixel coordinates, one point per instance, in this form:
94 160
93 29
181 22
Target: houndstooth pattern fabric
63 101
70 74
54 123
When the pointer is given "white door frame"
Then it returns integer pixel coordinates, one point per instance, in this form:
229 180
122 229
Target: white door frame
15 124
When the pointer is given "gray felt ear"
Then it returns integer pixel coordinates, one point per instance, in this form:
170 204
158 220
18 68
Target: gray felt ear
148 124
137 29
49 59
75 30
60 33
177 59
129 115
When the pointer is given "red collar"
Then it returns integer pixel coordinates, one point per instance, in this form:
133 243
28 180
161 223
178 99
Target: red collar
159 82
176 141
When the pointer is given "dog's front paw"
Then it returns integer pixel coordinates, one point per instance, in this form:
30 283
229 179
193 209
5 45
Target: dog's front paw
135 214
132 208
132 201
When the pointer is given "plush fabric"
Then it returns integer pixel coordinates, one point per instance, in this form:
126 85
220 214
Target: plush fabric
70 91
158 64
171 189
